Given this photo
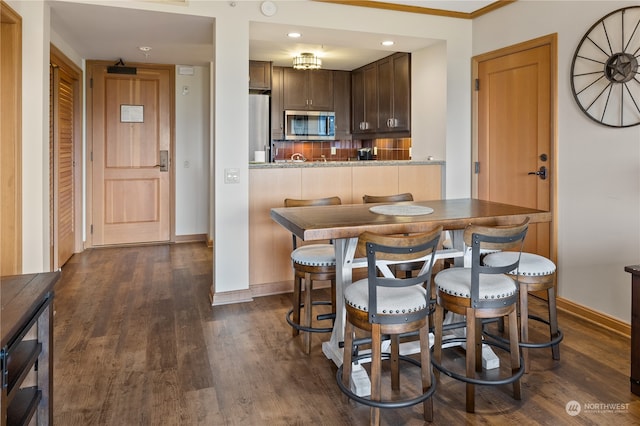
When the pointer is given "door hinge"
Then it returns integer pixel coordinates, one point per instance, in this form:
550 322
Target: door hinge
91 156
477 84
476 167
91 228
91 83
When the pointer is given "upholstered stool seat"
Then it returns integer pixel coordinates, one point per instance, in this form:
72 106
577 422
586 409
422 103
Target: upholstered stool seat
534 273
457 282
315 255
391 301
311 262
390 306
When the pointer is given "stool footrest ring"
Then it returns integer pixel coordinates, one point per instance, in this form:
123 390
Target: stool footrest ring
387 404
533 345
321 317
505 381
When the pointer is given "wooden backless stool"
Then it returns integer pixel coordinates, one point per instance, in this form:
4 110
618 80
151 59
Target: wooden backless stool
535 273
311 262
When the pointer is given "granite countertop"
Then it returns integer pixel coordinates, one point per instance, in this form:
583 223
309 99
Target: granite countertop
289 164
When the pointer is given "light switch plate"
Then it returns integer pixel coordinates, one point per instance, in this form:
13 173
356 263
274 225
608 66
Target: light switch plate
231 175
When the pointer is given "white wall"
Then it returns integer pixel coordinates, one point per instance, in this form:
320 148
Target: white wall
599 167
429 102
192 152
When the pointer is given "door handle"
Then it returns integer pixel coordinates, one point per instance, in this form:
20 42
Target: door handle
542 172
164 161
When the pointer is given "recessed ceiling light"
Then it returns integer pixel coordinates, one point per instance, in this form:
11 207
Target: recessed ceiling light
294 35
387 43
144 48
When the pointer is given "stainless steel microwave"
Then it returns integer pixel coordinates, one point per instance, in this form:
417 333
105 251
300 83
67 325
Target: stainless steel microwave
309 125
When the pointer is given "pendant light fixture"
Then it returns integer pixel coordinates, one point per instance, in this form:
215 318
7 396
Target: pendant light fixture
307 61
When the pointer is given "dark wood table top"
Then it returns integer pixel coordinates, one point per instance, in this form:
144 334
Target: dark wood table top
350 220
20 298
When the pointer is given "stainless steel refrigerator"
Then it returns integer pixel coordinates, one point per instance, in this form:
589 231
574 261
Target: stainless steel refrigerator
259 126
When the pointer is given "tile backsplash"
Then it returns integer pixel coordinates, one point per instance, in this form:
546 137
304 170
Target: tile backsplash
343 150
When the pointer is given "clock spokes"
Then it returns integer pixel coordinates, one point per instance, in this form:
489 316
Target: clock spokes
604 72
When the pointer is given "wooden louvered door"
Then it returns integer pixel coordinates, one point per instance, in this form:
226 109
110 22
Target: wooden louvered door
64 136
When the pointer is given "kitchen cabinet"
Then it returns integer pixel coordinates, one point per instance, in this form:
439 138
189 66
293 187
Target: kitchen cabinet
394 93
342 103
270 245
26 349
259 75
277 109
308 90
364 100
381 97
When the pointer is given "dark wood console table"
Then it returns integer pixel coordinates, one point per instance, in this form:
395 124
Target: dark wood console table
26 348
635 327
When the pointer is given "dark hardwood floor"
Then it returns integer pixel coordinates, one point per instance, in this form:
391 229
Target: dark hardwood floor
137 343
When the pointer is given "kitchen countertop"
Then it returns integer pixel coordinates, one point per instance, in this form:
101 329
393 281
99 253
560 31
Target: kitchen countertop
290 164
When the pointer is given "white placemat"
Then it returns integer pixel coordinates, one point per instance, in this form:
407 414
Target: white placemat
401 210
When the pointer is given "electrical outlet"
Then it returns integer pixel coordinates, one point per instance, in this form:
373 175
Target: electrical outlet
333 150
231 175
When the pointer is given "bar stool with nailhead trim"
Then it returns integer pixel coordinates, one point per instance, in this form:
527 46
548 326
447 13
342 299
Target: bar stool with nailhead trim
535 273
384 304
311 262
481 292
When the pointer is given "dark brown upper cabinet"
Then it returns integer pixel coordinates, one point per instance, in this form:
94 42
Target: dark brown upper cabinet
381 97
342 103
259 75
364 104
308 90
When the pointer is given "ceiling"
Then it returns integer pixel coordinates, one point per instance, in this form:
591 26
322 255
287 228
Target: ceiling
108 33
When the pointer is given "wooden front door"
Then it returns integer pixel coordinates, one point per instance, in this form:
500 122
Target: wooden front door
516 131
65 127
131 131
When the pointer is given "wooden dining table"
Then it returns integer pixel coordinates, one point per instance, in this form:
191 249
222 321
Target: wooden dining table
344 223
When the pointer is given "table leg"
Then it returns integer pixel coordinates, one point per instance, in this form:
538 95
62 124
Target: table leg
345 252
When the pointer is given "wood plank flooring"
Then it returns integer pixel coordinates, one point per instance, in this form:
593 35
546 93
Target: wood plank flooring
137 343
